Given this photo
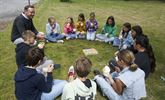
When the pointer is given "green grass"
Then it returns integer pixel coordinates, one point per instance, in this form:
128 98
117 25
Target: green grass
149 14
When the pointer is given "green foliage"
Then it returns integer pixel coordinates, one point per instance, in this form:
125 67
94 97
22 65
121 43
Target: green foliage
65 0
150 15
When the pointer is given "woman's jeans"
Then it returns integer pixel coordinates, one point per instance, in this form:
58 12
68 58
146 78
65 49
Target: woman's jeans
57 89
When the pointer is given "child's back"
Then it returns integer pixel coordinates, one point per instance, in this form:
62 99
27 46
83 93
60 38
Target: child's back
21 52
23 48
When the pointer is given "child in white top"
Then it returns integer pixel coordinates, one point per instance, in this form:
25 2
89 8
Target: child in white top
53 31
81 88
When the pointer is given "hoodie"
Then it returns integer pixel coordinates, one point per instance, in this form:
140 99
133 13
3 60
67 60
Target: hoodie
21 53
78 90
29 84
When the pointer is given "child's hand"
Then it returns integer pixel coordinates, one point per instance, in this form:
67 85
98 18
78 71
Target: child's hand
117 69
106 34
54 31
92 25
40 35
50 68
41 45
74 30
81 24
120 36
68 25
106 71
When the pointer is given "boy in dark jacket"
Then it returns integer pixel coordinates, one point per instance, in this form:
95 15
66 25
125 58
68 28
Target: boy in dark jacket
23 48
30 85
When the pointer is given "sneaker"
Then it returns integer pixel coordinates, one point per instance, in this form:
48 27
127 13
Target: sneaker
97 39
47 41
60 41
67 38
71 71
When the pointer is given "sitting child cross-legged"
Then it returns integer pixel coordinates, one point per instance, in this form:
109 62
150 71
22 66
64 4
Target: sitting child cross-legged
69 29
53 31
91 27
108 33
81 26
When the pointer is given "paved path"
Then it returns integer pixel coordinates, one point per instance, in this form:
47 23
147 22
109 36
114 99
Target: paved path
12 8
9 9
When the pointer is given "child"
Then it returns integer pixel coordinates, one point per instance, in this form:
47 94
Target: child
81 88
30 85
108 33
23 48
125 37
81 26
53 31
91 26
69 29
144 58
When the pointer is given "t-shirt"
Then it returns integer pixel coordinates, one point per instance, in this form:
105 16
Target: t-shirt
134 82
142 60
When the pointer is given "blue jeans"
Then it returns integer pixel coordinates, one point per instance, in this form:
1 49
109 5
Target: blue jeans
53 37
57 89
71 35
105 38
91 35
106 88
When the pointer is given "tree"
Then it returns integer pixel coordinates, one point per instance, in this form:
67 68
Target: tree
65 0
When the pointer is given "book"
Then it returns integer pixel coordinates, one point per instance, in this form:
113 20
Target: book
90 51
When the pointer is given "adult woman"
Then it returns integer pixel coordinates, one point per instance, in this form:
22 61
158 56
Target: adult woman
129 84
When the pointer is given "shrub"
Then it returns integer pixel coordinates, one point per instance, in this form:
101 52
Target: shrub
65 0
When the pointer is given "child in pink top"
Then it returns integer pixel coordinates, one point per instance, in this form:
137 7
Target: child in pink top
69 29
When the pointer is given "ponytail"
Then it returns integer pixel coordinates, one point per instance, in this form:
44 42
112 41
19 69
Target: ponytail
128 58
133 67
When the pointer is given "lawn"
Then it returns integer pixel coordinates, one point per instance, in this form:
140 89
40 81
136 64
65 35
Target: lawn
149 14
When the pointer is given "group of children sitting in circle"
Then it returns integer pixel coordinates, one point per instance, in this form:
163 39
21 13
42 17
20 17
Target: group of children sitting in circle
87 29
125 81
